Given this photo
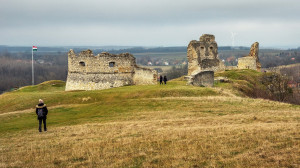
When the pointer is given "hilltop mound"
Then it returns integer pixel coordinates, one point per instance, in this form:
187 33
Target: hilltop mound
44 87
173 125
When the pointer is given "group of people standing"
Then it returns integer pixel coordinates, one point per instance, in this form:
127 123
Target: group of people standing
163 79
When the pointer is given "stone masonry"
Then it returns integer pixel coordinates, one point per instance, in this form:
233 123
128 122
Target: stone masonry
105 70
203 61
203 78
203 55
250 61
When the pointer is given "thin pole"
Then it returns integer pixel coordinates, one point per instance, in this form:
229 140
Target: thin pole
32 67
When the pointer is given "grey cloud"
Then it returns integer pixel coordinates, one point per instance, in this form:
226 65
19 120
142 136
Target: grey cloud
157 21
136 11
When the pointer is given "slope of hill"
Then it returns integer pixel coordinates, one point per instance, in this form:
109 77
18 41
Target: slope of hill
149 126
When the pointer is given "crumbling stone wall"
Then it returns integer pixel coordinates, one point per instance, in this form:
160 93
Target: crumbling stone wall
203 78
105 70
203 59
250 61
247 63
143 76
203 55
193 55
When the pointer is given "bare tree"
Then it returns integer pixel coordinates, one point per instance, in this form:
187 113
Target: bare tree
277 86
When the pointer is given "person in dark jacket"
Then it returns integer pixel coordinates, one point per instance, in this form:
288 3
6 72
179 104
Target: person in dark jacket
41 112
161 80
165 79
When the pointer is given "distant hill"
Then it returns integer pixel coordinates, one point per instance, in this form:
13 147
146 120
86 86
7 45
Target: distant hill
112 49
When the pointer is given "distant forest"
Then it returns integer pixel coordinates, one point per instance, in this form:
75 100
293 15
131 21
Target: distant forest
51 62
15 69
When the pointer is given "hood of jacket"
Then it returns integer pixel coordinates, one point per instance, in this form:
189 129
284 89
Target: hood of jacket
41 105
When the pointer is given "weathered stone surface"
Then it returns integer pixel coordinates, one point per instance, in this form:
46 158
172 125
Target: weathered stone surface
203 61
247 63
143 76
203 55
203 78
105 70
193 55
254 50
250 61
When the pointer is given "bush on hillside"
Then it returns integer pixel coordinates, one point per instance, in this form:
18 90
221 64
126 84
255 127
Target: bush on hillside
255 84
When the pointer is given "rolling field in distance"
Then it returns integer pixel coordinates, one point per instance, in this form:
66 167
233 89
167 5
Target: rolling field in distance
173 55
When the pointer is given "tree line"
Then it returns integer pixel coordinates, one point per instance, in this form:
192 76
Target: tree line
15 73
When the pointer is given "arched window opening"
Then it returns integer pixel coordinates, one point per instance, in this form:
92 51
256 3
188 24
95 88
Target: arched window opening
81 63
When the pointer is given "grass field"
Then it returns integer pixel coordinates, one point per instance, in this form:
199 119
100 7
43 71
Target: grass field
148 126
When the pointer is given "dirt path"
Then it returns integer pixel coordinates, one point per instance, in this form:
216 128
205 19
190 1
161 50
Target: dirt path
32 110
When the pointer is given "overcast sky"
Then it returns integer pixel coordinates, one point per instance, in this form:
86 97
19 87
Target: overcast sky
273 23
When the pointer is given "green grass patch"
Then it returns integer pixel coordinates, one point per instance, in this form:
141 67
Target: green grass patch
124 103
53 94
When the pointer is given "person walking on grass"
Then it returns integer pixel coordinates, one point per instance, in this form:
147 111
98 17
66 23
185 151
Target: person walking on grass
41 112
161 80
165 79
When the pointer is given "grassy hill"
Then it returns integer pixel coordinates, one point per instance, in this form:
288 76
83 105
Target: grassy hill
150 126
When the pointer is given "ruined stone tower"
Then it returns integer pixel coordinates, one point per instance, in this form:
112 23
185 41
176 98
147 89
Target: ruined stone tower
105 70
203 55
203 61
250 61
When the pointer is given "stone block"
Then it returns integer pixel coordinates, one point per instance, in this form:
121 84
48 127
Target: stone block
203 78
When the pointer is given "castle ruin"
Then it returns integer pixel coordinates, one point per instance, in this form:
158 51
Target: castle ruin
203 61
250 61
105 70
203 55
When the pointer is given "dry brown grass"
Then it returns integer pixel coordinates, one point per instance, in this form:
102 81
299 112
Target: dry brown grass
213 131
